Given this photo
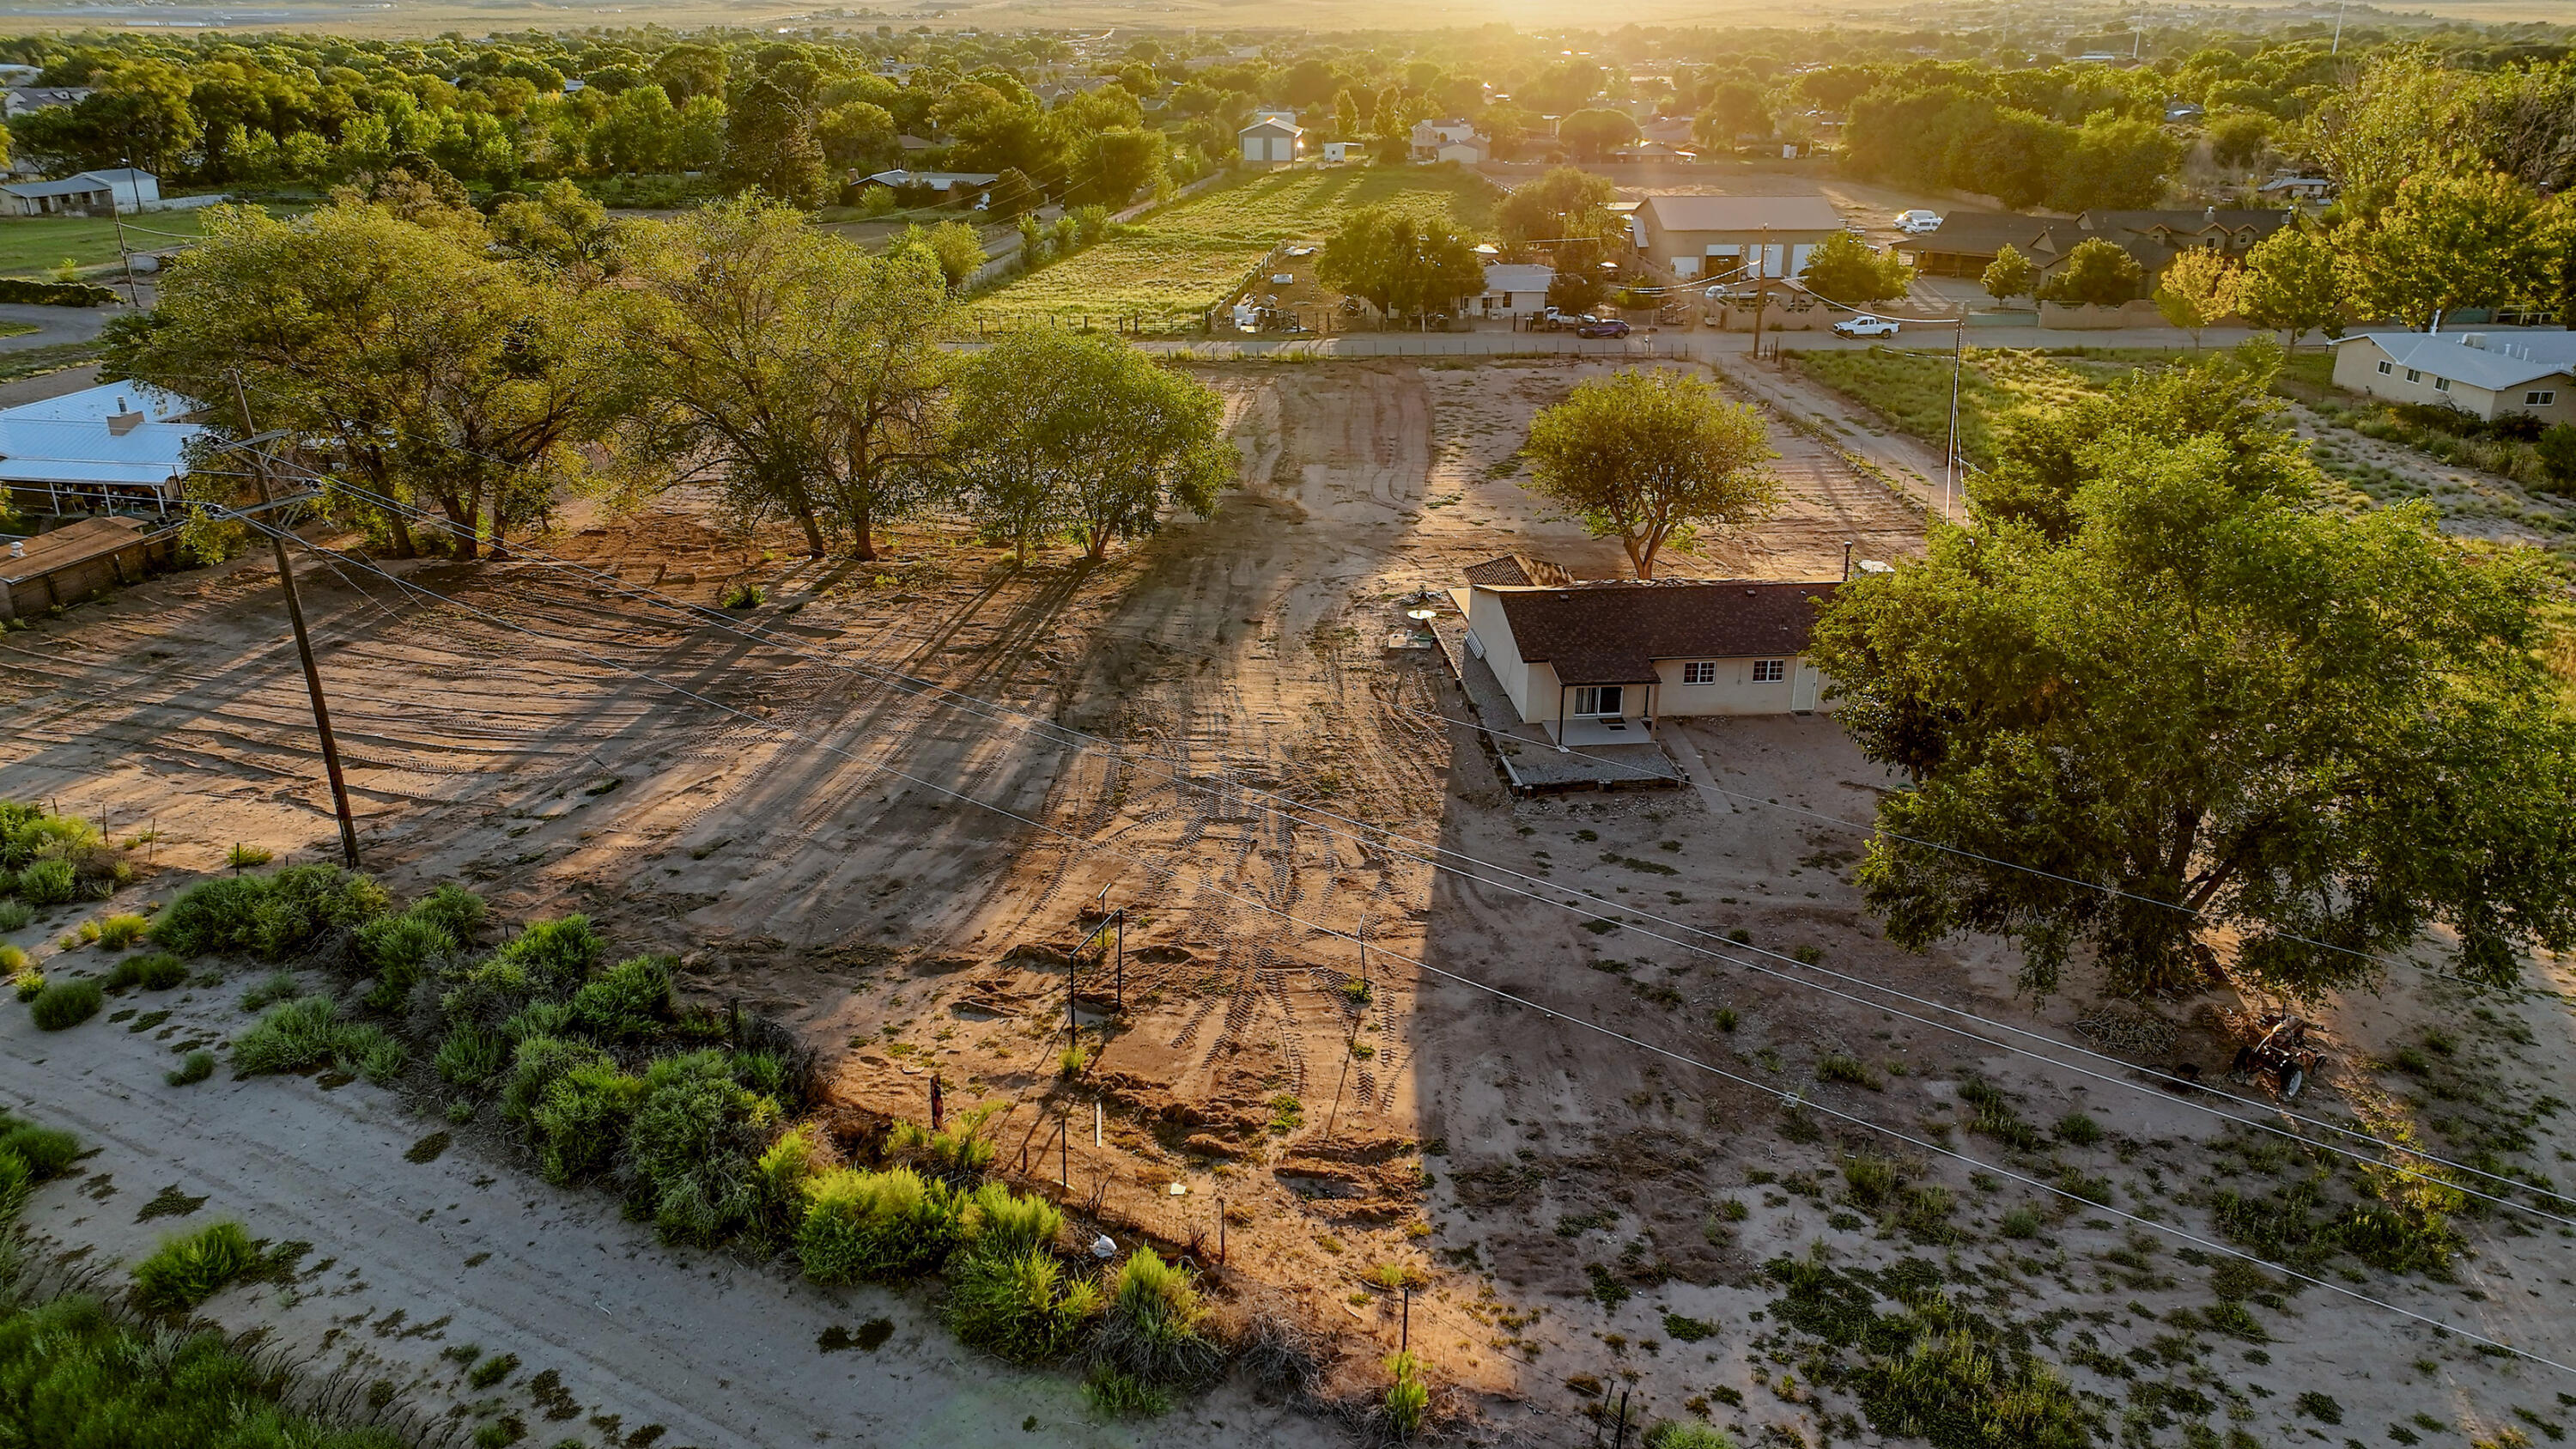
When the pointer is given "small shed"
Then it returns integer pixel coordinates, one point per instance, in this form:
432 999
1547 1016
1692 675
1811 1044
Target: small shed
1272 142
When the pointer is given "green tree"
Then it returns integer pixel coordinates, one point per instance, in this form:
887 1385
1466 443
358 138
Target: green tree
2197 288
803 372
1734 109
1401 263
2293 283
562 228
138 115
435 370
770 145
2097 271
2117 164
2239 138
2556 446
952 246
1085 434
2009 275
1844 269
856 136
1566 202
1114 164
1649 457
2210 711
2449 242
1592 135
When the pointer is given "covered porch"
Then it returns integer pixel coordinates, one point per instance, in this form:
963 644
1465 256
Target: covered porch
1604 711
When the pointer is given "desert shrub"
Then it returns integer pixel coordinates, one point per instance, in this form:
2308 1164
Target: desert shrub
121 930
546 961
1408 1399
270 916
1873 1180
762 1072
298 1035
994 1219
2021 1222
778 1181
153 971
397 949
370 1052
628 1000
862 1225
60 1004
581 1119
195 1067
1152 1326
50 882
1962 1393
1996 1116
1688 1434
453 909
692 1143
1018 1303
16 915
471 1056
961 1154
535 1064
48 1152
189 1268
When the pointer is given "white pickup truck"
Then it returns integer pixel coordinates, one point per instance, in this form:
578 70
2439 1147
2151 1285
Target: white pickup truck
1866 325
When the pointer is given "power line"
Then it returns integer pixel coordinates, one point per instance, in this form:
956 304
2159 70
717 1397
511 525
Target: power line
996 712
1790 1099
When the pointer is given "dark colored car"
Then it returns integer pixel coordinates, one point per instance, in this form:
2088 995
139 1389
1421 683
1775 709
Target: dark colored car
1602 327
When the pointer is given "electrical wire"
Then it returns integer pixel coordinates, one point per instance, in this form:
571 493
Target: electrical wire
1790 1099
1385 838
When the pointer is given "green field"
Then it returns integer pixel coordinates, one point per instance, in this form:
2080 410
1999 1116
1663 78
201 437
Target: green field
1175 264
35 245
1912 389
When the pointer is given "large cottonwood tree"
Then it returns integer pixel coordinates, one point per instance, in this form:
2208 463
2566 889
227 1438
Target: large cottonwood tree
1647 456
2167 700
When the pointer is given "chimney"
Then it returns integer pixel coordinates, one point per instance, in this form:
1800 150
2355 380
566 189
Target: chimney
124 422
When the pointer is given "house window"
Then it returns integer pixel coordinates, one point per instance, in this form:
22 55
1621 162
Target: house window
2386 368
2539 398
1770 671
2441 384
1701 672
1597 701
2414 375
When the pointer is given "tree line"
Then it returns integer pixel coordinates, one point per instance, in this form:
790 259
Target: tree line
428 358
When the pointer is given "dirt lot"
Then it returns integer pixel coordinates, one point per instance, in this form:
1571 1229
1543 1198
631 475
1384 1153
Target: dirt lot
1268 782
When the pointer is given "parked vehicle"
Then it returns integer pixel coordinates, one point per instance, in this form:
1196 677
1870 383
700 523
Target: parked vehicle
2283 1054
1918 221
1602 327
1866 325
1555 319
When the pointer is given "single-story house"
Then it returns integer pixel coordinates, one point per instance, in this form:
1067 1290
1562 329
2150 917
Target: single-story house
1270 141
1648 152
920 188
19 100
1429 136
1600 661
1470 152
1515 290
118 445
1967 242
1758 236
2487 374
120 188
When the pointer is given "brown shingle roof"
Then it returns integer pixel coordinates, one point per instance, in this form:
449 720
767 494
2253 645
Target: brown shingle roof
1613 632
1519 569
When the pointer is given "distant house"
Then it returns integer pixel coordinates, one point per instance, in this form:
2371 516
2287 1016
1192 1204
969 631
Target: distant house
1270 141
1650 151
1752 236
1515 290
932 188
1429 136
2484 374
2298 188
1470 152
1967 242
120 445
1600 661
90 193
19 100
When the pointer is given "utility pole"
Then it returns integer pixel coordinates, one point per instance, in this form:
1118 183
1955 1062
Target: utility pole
1950 461
116 212
2337 47
303 640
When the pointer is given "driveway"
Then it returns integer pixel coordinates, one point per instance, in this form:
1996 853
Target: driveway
55 325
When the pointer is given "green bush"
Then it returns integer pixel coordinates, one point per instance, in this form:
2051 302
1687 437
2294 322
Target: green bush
629 1000
1408 1399
539 1018
270 916
296 1036
50 882
1125 1395
453 909
535 1063
62 1004
1018 1306
26 291
370 1052
16 915
1152 1329
16 1181
121 930
2077 1130
582 1119
692 1144
153 971
190 1268
471 1056
547 961
962 1154
1688 1434
48 1152
1963 1393
396 948
195 1067
861 1225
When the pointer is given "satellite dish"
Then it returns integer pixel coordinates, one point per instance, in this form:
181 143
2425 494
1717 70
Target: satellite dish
1422 614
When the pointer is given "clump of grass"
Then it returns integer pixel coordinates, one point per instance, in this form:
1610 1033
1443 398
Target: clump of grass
50 883
630 999
195 1067
121 930
1153 1327
48 1152
24 978
2077 1130
692 1142
1688 1434
293 1037
1123 1395
1408 1399
1726 1018
247 857
1070 1062
884 1226
492 1370
271 916
271 989
1996 1116
190 1268
153 971
960 1155
742 594
2020 1223
1840 1067
580 1119
471 1056
1008 1295
60 1004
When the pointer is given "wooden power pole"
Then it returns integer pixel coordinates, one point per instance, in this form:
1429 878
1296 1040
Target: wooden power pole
303 640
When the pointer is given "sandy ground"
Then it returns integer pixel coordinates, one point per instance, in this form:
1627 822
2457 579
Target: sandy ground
1269 781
